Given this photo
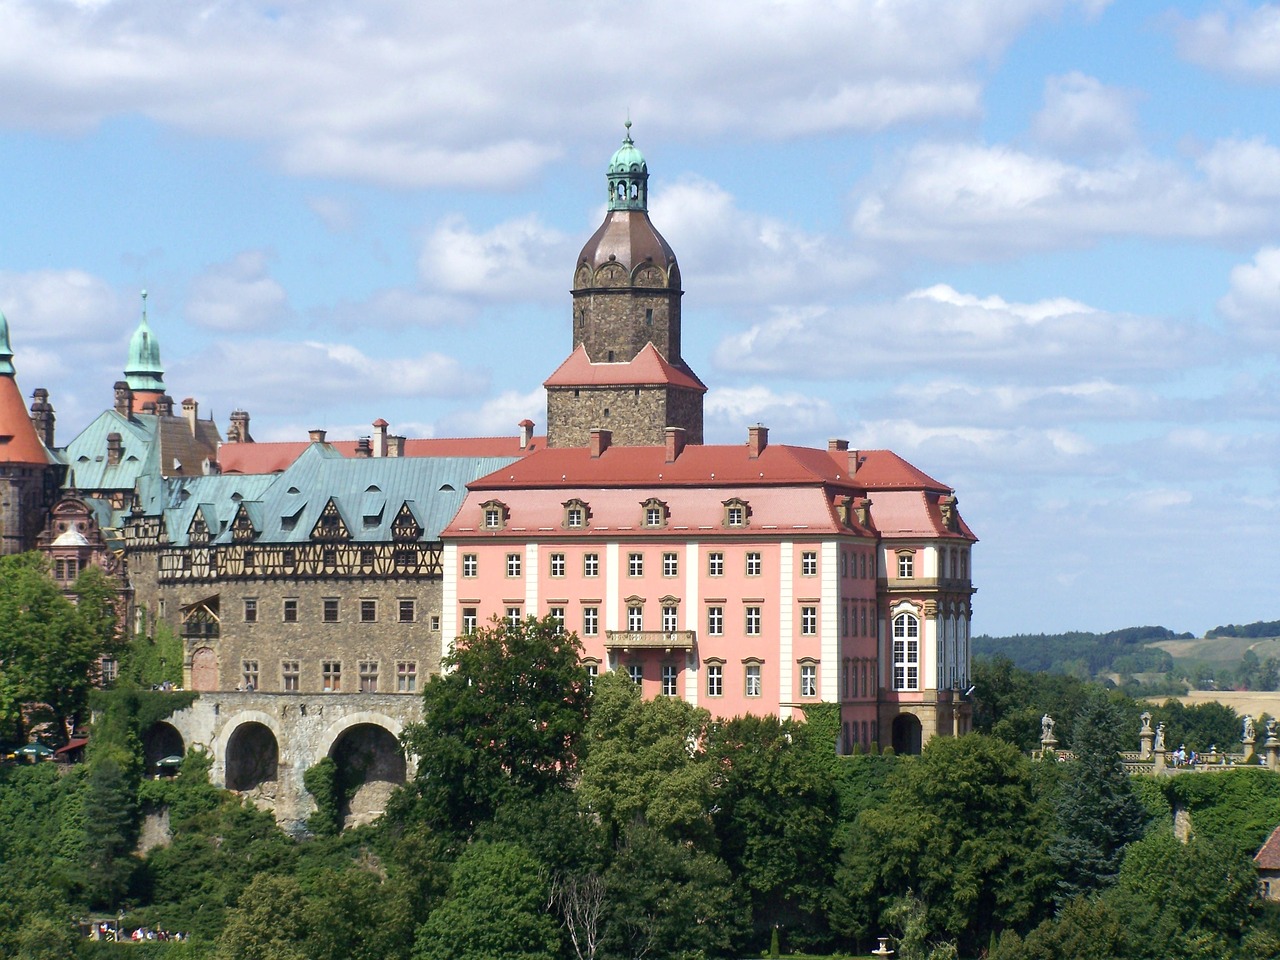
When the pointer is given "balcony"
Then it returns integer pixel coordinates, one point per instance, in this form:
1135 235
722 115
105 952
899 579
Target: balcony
650 639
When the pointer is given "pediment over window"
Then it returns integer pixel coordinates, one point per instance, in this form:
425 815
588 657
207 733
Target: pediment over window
330 526
493 515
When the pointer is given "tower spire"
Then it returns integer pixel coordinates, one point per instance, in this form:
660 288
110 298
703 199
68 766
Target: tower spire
628 176
6 351
144 373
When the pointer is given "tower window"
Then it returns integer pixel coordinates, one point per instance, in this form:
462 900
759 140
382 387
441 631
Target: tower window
611 356
648 317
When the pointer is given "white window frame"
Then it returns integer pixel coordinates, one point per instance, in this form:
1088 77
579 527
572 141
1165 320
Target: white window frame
906 652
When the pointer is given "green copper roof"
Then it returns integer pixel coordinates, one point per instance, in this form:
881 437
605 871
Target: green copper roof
628 177
6 351
144 370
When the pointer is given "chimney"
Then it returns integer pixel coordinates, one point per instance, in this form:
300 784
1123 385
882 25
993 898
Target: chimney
114 448
837 446
239 432
315 436
379 437
757 440
600 440
42 416
149 408
189 410
395 446
124 399
164 405
855 460
526 433
675 443
363 449
947 507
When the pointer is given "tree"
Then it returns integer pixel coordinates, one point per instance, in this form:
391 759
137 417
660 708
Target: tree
645 761
964 828
496 908
110 821
268 922
1098 812
501 721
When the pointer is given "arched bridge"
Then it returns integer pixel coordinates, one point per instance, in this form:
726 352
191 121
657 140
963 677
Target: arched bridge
262 743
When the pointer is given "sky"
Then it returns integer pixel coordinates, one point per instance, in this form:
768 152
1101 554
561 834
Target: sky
1033 246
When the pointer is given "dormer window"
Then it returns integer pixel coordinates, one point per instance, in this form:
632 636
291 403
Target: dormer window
736 513
576 515
655 514
495 515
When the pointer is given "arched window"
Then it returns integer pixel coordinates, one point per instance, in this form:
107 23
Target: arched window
906 652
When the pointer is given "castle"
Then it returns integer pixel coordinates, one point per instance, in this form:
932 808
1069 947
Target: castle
754 577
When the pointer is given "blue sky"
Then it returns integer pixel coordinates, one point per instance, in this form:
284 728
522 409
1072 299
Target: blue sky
1031 245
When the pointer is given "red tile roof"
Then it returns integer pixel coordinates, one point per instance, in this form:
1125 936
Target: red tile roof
19 442
247 458
647 369
1268 857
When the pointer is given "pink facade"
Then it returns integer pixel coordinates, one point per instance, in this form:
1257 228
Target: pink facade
771 588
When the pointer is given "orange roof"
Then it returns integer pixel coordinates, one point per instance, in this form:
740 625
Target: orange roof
647 369
255 457
19 442
1268 857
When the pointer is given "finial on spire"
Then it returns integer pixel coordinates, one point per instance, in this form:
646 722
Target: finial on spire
627 138
144 305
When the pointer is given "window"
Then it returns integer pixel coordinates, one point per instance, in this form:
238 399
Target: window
753 564
715 621
408 611
406 676
495 515
591 565
906 566
808 621
249 674
735 513
330 558
844 564
715 680
635 618
862 563
435 622
109 669
575 516
753 622
669 680
670 565
715 564
906 652
808 679
251 610
590 621
368 611
557 564
368 676
330 609
470 564
290 611
670 619
809 563
513 616
557 614
636 672
469 620
513 564
635 564
653 516
289 676
331 676
753 686
593 671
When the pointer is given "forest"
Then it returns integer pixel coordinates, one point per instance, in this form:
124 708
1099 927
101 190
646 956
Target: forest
553 818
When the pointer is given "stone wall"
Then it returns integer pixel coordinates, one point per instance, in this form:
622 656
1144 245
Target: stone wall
619 321
637 416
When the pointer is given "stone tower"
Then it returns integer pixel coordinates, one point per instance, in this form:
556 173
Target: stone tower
625 373
29 476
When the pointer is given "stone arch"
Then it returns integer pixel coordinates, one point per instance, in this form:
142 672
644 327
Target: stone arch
161 740
251 753
370 764
204 669
907 734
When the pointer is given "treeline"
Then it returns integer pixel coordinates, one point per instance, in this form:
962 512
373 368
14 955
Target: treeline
548 819
1084 654
1252 631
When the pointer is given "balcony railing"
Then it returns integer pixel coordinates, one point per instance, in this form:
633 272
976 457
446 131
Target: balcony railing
650 639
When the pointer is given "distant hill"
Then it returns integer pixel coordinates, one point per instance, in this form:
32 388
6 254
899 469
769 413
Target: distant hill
1124 651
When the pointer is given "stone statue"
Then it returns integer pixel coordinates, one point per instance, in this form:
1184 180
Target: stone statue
1271 729
1146 722
1249 731
1159 737
1046 728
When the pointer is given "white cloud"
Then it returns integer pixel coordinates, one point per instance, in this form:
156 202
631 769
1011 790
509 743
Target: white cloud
337 215
730 410
498 416
59 306
1236 40
519 259
399 308
941 328
1082 114
1253 301
963 201
284 377
1243 169
238 295
400 93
